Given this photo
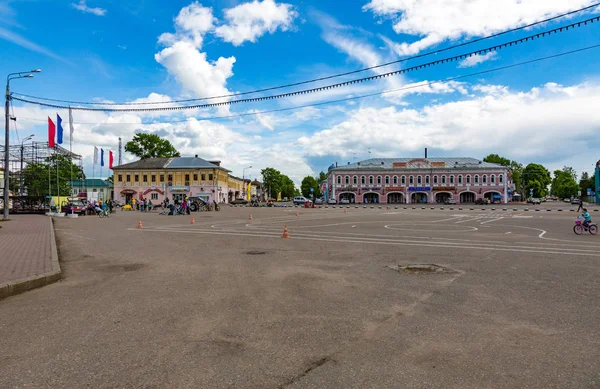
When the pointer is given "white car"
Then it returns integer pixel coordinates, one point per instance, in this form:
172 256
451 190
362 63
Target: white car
331 201
318 201
300 200
344 201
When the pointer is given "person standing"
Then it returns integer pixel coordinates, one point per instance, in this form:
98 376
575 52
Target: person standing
580 204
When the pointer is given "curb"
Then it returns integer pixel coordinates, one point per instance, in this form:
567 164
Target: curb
20 286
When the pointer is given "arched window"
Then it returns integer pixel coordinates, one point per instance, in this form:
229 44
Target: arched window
484 179
355 180
476 179
403 180
411 180
395 180
419 180
459 180
468 180
378 180
347 180
427 180
387 180
443 180
339 180
370 180
500 178
492 179
451 180
362 180
435 181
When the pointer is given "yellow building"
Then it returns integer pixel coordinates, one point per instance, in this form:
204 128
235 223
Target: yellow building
175 178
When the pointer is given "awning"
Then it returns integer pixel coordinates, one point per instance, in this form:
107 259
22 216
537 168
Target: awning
496 196
128 191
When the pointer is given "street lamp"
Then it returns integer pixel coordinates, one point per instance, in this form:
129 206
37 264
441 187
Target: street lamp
22 147
244 180
11 76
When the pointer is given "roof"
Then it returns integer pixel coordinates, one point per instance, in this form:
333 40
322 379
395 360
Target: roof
90 182
147 163
387 163
170 163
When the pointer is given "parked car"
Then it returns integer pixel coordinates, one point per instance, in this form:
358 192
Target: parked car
331 201
450 202
344 201
73 206
575 201
239 201
318 201
567 200
535 201
482 201
300 200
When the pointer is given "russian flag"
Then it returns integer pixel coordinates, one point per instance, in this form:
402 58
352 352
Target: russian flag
51 132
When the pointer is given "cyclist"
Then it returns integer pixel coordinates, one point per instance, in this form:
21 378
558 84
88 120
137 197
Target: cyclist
587 218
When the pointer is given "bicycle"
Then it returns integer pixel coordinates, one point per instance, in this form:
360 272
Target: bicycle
580 227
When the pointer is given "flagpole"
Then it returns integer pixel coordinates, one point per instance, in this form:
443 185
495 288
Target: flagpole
71 146
57 181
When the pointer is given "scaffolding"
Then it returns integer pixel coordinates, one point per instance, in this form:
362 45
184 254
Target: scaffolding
38 199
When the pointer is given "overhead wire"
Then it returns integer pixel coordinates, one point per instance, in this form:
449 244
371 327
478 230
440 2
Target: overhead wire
326 77
359 96
327 87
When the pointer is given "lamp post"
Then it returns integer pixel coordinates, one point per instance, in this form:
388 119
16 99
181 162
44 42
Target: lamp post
244 180
11 76
22 147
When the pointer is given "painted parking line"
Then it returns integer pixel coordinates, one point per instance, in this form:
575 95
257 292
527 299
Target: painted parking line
491 220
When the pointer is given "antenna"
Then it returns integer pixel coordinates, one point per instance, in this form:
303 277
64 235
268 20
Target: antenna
120 152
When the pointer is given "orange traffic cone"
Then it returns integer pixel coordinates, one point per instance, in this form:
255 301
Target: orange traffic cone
285 232
140 224
193 220
345 210
297 214
250 218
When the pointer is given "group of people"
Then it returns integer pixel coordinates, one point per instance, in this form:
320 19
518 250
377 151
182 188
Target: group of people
143 205
99 206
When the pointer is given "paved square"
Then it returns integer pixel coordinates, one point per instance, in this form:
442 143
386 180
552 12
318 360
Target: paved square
227 303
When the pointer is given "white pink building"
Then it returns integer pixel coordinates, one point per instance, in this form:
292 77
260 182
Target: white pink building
418 180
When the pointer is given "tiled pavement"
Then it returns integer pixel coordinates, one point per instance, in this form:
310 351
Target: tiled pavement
25 247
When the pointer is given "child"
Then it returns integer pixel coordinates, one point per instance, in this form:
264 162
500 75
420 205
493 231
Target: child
587 218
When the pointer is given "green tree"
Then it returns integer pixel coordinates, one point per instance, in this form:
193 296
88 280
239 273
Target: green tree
536 177
515 167
150 146
587 182
288 188
322 177
495 158
309 183
564 184
272 181
37 175
110 179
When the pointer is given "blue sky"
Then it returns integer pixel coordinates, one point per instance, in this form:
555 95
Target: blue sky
108 51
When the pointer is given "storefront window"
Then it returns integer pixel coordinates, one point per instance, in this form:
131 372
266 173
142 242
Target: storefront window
154 196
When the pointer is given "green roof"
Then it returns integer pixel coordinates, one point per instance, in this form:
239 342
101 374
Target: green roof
90 183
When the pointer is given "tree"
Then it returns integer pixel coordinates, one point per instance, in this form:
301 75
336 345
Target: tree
272 181
515 167
288 188
37 175
564 184
495 158
309 183
587 182
150 146
110 179
536 177
322 177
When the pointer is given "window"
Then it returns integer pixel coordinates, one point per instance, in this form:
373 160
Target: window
154 196
170 177
419 180
493 179
411 180
210 177
145 177
403 180
443 180
95 190
128 177
162 178
203 177
370 180
395 180
355 180
484 179
427 180
500 178
347 180
339 180
195 177
451 180
362 180
387 180
101 190
187 177
137 178
476 179
435 180
468 180
120 177
154 178
459 180
378 180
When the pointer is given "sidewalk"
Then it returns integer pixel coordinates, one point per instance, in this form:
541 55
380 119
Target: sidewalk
28 257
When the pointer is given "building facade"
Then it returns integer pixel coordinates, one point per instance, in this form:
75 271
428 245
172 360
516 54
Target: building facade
418 180
93 189
175 178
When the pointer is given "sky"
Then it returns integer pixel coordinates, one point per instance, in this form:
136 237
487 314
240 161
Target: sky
140 51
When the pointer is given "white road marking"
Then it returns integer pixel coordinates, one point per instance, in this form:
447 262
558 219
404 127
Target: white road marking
469 220
491 220
507 233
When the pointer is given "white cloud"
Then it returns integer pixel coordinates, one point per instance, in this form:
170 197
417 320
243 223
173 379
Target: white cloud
549 123
26 43
250 21
83 7
477 59
439 20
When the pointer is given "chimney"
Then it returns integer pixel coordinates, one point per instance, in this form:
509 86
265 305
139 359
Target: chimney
425 152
